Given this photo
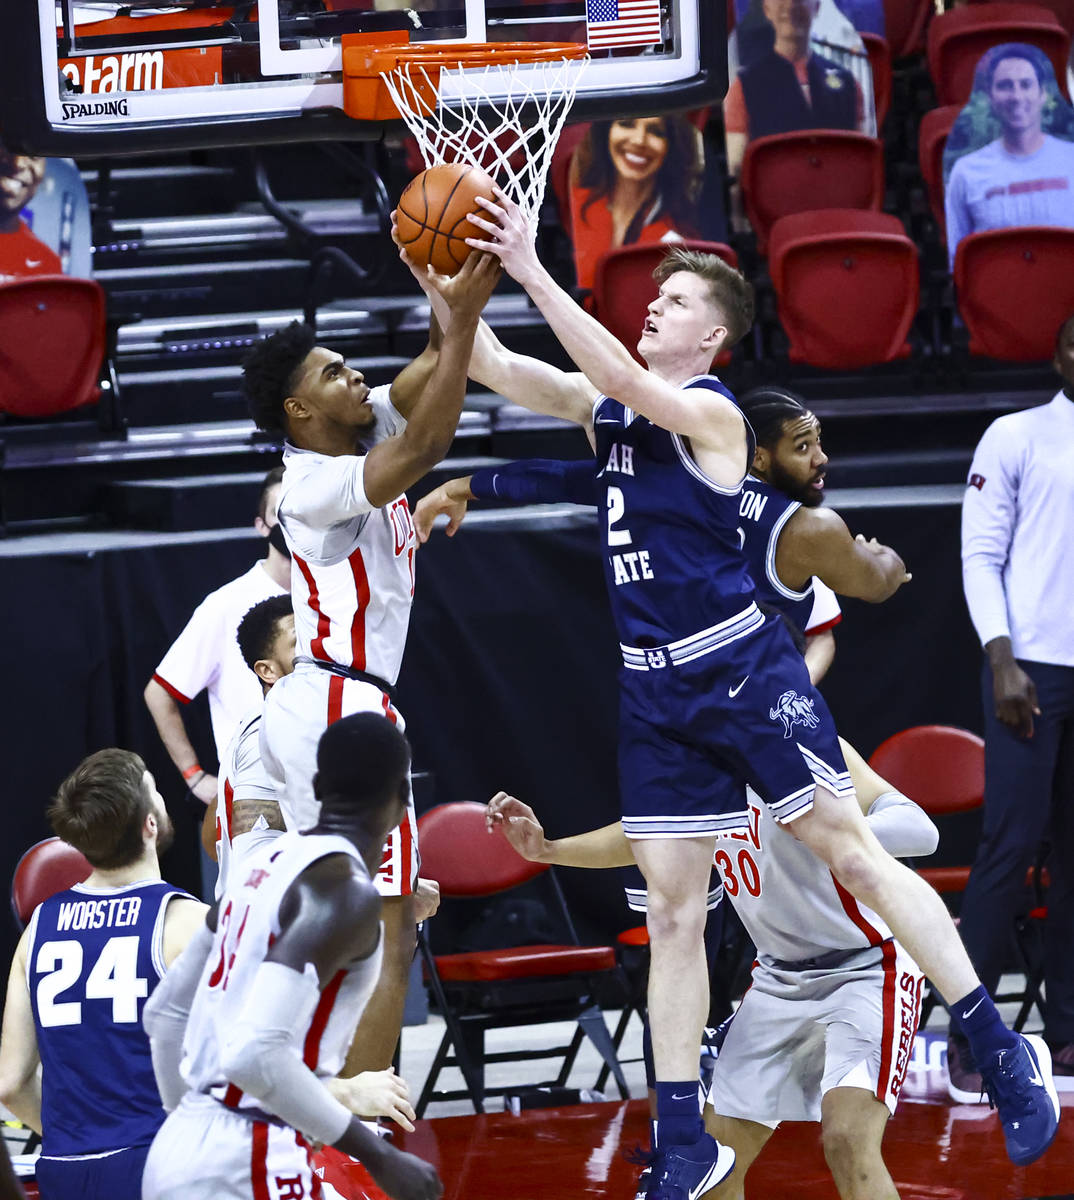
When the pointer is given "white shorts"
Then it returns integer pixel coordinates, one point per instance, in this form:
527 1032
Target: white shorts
800 1033
298 709
204 1151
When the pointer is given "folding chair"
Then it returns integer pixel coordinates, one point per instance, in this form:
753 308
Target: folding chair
52 344
515 986
959 38
1015 287
847 284
786 173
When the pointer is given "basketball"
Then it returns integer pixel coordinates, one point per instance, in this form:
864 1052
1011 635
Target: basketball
431 216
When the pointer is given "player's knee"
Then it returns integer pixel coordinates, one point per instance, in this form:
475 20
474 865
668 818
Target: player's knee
670 919
842 1141
858 869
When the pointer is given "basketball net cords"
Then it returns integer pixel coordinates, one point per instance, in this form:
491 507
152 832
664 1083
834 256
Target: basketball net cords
527 121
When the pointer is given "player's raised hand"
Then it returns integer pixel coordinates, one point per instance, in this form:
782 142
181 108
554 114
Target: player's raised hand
403 1176
376 1094
467 291
508 235
518 823
450 499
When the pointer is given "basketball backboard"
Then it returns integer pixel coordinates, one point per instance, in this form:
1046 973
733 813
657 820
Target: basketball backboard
98 77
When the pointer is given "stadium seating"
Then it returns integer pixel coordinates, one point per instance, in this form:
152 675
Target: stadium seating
880 62
48 867
931 139
40 315
1015 288
624 285
847 284
560 171
798 172
957 40
520 985
904 23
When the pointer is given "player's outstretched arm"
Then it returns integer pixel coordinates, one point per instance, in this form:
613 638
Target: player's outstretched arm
816 541
597 849
330 918
530 481
20 1084
709 419
399 462
902 827
523 380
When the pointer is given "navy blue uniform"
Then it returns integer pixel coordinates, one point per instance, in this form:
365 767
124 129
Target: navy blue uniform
93 958
763 511
712 695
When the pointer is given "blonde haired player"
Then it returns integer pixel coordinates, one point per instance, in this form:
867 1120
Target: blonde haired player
826 1029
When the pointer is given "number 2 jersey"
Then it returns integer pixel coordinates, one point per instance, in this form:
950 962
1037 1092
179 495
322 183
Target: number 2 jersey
248 924
676 574
94 955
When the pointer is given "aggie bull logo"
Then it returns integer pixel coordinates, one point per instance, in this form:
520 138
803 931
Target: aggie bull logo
792 710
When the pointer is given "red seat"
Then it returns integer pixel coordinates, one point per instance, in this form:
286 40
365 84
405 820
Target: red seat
904 25
880 62
624 286
38 315
932 137
1015 288
942 768
48 867
847 284
1063 9
957 40
798 172
520 985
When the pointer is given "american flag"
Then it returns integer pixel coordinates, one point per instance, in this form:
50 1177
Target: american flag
622 23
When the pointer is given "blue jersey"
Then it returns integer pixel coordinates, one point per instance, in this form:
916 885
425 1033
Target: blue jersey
763 511
672 553
93 957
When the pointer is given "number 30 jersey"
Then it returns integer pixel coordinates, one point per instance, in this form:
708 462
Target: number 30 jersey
94 955
673 556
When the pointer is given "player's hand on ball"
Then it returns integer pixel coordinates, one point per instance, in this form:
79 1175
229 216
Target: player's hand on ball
508 235
426 900
518 823
376 1094
450 499
468 290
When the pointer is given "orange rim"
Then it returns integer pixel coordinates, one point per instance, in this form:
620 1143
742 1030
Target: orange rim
366 97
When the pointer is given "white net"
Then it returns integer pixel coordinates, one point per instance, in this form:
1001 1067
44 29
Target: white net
504 117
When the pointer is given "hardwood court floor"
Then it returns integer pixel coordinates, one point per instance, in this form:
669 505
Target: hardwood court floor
935 1150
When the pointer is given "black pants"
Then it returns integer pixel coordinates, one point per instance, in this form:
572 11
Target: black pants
1029 798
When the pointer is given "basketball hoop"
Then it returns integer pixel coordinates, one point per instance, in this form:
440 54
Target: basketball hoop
499 106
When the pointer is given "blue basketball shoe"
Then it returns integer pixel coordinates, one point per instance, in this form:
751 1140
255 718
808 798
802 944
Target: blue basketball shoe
1020 1087
686 1172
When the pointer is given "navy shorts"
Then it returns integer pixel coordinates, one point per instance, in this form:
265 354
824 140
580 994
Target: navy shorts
691 736
108 1177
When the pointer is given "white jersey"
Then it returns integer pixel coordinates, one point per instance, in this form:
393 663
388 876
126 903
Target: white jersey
242 777
248 923
352 565
206 654
788 900
825 613
1017 529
